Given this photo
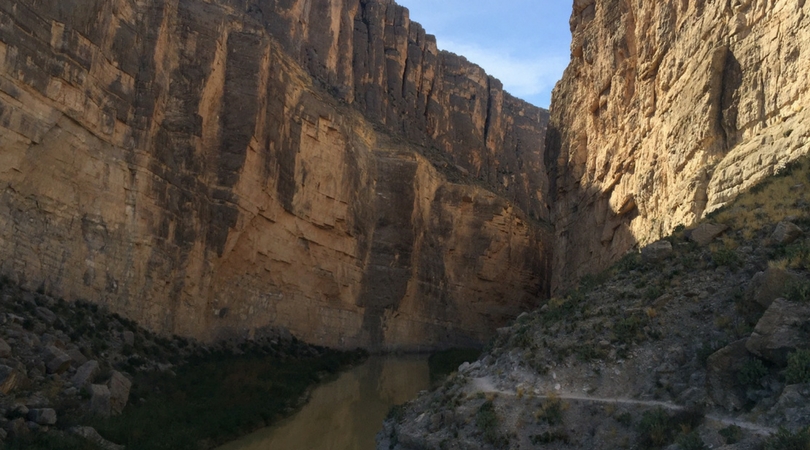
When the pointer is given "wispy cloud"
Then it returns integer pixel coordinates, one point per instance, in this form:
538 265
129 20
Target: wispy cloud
530 77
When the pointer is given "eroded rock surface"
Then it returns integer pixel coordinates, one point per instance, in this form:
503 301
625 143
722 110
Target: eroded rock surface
667 111
212 168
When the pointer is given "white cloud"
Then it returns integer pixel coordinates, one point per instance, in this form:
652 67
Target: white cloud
530 77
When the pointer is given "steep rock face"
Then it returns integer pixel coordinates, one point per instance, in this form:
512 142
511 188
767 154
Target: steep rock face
667 111
210 168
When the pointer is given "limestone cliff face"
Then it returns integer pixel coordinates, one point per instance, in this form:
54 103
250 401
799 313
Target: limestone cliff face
667 111
219 167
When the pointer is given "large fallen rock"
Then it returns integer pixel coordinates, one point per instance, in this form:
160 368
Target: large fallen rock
792 410
85 374
786 233
769 285
42 416
56 360
706 233
119 387
722 369
90 434
100 400
5 349
657 251
784 328
10 379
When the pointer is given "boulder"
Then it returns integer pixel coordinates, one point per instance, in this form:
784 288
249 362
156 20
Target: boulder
786 233
128 337
5 349
56 360
17 428
119 387
783 329
792 410
706 233
90 434
10 379
100 400
85 374
721 378
657 251
46 315
42 416
77 355
767 286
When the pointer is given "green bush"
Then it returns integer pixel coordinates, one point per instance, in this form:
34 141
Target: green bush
752 372
799 292
487 421
732 434
798 369
658 429
551 412
726 257
691 441
785 440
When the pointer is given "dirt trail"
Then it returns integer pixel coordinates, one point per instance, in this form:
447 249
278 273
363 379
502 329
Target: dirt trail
486 385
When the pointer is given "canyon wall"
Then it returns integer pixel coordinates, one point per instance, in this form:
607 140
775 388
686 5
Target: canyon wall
220 168
667 111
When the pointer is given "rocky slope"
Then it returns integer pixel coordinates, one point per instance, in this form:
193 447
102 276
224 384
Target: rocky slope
700 341
209 168
667 111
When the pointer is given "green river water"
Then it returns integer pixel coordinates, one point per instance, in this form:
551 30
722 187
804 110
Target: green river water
347 413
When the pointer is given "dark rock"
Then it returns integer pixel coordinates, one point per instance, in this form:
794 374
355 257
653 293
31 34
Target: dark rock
100 400
128 337
786 233
46 315
792 410
657 251
85 374
722 369
57 361
90 434
10 379
783 329
78 357
17 428
706 233
43 416
119 387
5 349
769 285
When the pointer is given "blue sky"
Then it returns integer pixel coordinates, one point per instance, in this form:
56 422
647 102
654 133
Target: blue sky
524 43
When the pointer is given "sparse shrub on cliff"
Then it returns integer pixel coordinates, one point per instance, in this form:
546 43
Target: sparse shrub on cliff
732 434
658 429
799 292
798 368
487 421
691 441
726 257
785 440
752 373
629 329
551 411
550 437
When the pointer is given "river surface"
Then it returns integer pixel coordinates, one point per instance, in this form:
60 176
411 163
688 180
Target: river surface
347 413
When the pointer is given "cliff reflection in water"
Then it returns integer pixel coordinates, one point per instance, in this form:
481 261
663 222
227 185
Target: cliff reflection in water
347 413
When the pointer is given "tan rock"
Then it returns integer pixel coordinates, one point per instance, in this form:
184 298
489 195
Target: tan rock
781 331
786 233
705 233
119 392
675 105
221 173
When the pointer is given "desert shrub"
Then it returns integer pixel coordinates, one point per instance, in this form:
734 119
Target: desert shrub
487 421
798 368
628 330
785 440
658 429
691 441
550 437
551 412
726 257
799 292
752 372
732 434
